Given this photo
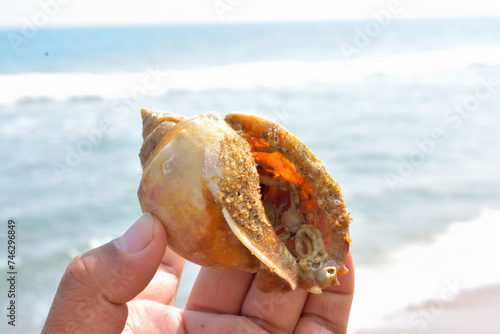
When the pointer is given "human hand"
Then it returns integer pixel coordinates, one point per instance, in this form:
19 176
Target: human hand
129 285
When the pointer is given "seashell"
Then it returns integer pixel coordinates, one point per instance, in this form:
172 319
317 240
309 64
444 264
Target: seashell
244 194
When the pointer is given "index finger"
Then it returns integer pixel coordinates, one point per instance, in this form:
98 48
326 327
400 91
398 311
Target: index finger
217 291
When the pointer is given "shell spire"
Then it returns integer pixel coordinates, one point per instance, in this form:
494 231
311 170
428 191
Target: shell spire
154 127
150 120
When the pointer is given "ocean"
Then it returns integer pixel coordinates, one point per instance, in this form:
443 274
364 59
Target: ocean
404 114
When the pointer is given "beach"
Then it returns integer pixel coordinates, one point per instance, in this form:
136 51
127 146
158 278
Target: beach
429 286
474 311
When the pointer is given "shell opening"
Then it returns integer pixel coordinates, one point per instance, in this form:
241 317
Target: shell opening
291 225
303 202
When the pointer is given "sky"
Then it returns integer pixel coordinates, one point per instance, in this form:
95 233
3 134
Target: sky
51 13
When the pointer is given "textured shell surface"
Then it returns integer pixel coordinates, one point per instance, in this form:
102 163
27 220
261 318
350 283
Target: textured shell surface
242 193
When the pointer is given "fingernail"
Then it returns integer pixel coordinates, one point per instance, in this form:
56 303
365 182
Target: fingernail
138 236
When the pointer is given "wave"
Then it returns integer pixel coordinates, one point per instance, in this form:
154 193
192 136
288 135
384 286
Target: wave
460 259
436 66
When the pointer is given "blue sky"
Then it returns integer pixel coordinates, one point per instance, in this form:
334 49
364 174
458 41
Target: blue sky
16 13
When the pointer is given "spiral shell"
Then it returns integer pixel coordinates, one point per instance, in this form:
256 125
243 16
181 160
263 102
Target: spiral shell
244 194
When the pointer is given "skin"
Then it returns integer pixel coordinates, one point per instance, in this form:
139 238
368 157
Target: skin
130 287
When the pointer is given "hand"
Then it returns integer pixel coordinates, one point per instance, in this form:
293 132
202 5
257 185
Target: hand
130 283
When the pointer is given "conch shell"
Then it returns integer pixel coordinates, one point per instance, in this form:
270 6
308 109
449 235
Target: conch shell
244 194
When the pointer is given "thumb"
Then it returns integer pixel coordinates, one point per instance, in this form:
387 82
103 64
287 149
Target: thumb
96 285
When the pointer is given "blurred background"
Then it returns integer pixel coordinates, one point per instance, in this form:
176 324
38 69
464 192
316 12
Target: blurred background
399 99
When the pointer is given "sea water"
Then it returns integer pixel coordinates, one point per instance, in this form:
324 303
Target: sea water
406 120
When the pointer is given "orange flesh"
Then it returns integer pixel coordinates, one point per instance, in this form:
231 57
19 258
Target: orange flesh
280 199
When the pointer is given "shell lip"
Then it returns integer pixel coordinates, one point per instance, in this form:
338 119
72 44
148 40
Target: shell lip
278 270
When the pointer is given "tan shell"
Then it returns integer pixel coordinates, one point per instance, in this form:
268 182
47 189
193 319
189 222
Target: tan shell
244 194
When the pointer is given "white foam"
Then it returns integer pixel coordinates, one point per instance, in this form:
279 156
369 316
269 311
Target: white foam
436 65
461 258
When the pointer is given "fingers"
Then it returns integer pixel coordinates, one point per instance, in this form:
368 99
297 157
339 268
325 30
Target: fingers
219 291
152 317
330 309
223 292
281 312
96 285
276 313
297 311
163 286
211 323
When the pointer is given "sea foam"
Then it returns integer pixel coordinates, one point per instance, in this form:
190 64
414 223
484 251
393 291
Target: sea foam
437 67
461 258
